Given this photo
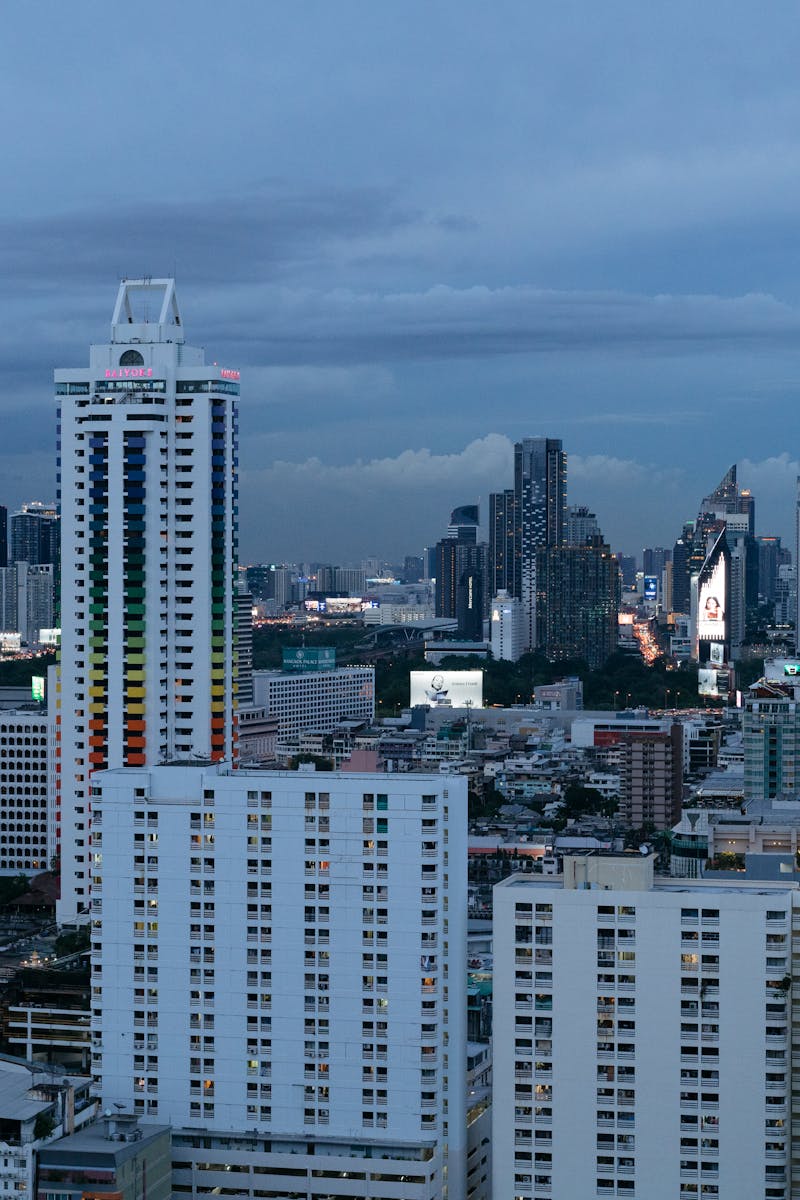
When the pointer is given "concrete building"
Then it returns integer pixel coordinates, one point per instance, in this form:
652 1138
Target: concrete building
33 534
316 700
148 497
651 778
27 600
506 627
45 1018
243 602
27 817
116 1157
563 694
36 1106
580 525
771 734
650 1043
279 973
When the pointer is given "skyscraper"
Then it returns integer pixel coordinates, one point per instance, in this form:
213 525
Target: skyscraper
3 536
581 524
461 569
34 534
540 509
148 500
583 592
501 541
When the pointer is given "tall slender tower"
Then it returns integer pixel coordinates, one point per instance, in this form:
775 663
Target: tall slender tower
540 509
148 496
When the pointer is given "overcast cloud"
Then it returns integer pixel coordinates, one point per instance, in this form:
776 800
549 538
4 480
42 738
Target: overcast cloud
423 231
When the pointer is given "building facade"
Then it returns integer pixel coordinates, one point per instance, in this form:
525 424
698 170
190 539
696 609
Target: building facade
316 700
27 821
582 601
505 627
278 972
650 1043
771 737
651 778
148 499
540 509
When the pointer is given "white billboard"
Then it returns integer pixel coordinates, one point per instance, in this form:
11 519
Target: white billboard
711 614
447 689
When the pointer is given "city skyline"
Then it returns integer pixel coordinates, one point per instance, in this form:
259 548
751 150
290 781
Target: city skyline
489 239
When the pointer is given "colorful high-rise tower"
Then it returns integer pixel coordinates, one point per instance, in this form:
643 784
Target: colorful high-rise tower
147 479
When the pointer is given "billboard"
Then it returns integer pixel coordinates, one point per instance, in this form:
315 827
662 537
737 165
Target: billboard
37 688
447 689
651 587
711 682
712 607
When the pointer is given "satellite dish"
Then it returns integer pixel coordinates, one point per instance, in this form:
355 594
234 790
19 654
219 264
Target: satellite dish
644 848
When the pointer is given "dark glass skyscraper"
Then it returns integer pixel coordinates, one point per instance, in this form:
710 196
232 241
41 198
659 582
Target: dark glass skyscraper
3 536
540 510
583 592
501 541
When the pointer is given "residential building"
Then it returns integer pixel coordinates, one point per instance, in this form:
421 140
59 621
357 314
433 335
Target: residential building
33 534
771 735
540 507
350 580
581 524
148 498
316 700
583 595
27 600
651 791
279 971
243 604
505 627
3 536
501 542
650 1041
27 817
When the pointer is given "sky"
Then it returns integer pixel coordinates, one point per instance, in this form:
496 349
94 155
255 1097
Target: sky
423 231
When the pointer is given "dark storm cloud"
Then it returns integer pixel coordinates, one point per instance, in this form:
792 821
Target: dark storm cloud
215 241
414 225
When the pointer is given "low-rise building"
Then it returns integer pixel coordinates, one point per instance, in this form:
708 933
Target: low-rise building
316 700
116 1157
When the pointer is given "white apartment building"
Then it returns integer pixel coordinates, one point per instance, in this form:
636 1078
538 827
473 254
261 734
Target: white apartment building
317 700
278 972
148 494
647 1038
506 627
27 819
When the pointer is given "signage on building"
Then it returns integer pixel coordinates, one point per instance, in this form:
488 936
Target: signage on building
37 688
651 587
302 658
447 689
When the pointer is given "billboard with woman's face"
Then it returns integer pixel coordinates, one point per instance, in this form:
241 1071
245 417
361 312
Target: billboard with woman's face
711 604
